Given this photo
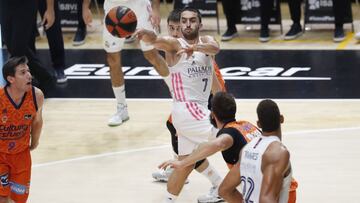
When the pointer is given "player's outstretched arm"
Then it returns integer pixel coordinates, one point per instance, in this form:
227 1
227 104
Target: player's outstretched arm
227 189
38 120
167 44
275 163
208 46
204 150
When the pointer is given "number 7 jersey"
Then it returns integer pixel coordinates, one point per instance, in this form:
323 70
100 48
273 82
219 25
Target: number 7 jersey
191 78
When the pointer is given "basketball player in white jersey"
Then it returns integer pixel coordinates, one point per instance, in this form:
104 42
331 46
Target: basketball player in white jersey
202 166
148 17
192 80
265 170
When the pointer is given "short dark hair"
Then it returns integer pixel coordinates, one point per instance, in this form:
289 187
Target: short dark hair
269 115
174 16
10 65
188 8
223 106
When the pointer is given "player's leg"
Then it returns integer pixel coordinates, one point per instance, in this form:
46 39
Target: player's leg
207 170
118 86
20 176
178 177
176 182
157 61
113 46
4 182
142 10
163 175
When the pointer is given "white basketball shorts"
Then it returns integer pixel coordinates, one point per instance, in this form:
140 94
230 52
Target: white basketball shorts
192 124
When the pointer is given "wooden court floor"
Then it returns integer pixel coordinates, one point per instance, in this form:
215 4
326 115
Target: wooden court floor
82 160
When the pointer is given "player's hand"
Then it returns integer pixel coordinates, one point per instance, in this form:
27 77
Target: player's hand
145 35
33 145
173 163
189 50
87 16
48 19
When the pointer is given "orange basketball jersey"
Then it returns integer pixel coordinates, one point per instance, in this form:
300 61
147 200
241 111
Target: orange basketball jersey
219 76
16 120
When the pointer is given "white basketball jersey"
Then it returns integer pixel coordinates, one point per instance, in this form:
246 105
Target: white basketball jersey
191 78
250 170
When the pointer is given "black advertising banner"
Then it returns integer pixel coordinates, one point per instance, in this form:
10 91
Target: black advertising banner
295 74
207 8
250 12
68 12
321 12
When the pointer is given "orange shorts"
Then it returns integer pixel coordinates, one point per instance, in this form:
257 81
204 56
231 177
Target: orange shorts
292 191
15 172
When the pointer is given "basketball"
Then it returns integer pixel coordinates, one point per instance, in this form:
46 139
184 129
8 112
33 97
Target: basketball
121 21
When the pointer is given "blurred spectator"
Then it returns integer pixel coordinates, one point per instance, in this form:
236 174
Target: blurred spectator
56 42
231 9
339 8
17 21
265 13
295 13
80 35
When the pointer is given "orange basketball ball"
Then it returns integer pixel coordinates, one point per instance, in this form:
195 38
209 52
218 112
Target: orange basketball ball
121 21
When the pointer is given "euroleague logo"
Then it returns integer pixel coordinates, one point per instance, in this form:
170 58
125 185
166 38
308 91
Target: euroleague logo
100 71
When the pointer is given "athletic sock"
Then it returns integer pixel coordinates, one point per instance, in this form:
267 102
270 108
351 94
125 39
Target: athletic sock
169 198
213 175
119 93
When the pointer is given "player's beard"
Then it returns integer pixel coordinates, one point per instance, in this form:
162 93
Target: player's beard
192 35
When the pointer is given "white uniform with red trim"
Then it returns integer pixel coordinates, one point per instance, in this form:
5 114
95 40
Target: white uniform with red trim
142 10
191 82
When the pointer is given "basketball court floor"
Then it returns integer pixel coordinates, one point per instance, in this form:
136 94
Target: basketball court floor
82 160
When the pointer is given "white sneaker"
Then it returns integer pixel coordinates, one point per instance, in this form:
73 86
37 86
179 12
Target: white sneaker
120 116
357 36
211 197
163 175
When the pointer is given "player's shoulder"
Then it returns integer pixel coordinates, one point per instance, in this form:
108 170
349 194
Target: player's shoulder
39 95
276 152
38 92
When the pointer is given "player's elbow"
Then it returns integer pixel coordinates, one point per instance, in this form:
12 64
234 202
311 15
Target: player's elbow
216 50
220 146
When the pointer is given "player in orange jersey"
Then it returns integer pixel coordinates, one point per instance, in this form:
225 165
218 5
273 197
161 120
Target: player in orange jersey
231 138
20 127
